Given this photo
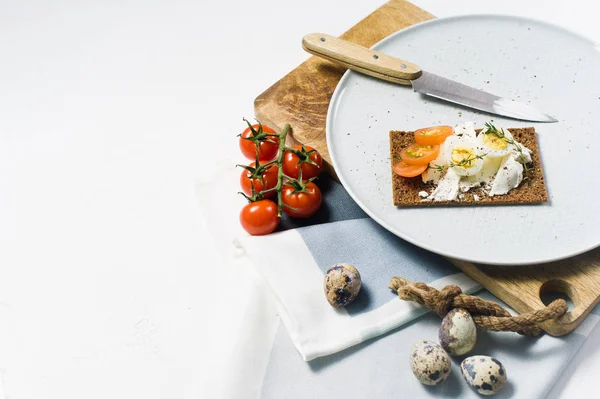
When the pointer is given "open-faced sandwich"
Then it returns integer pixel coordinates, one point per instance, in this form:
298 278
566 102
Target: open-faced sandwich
442 165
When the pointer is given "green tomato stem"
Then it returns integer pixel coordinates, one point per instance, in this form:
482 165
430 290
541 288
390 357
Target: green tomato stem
280 173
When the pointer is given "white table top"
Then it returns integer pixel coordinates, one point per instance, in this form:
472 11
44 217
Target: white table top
110 283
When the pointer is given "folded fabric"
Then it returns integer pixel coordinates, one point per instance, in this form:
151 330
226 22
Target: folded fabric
320 351
294 262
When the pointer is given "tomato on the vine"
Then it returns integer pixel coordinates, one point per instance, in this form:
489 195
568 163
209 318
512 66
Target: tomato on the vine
302 157
263 178
259 217
259 140
302 200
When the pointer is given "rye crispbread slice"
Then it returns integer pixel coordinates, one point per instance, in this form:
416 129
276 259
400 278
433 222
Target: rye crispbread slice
531 191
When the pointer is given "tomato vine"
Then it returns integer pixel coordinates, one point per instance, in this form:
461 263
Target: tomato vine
296 160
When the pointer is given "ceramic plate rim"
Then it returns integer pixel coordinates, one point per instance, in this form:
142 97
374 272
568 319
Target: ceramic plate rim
382 222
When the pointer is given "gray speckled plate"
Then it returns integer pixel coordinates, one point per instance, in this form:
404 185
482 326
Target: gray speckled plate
527 60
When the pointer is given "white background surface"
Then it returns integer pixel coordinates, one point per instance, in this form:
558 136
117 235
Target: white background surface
110 283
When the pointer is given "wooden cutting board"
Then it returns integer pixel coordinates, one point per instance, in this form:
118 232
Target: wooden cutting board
301 98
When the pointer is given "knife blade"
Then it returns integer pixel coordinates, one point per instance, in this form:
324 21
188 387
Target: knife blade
383 66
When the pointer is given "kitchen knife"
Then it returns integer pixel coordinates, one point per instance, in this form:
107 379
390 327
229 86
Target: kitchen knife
382 66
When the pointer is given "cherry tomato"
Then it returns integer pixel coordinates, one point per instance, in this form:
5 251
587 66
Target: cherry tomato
305 203
418 154
255 140
268 175
292 162
433 135
260 217
405 170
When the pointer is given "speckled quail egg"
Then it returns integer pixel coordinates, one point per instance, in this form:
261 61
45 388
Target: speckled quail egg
458 333
484 374
342 284
429 362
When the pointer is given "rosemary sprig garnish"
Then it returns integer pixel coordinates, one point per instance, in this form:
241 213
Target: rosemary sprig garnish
465 162
491 129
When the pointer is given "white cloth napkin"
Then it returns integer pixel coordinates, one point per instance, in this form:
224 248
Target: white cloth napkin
293 264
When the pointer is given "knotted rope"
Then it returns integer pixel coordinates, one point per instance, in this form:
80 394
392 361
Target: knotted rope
486 314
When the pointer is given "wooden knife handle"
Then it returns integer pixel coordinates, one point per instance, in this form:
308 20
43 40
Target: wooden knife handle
361 59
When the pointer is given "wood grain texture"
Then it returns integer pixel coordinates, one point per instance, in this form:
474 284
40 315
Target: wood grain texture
358 58
302 97
520 286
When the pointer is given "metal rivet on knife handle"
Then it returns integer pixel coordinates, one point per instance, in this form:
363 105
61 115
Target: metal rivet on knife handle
361 59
